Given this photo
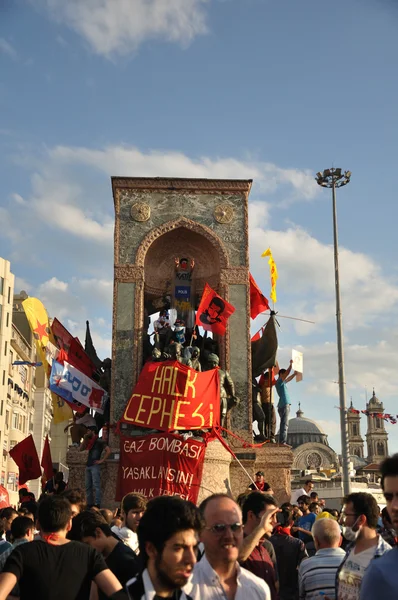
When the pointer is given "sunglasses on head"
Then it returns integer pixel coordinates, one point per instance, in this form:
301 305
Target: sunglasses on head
220 528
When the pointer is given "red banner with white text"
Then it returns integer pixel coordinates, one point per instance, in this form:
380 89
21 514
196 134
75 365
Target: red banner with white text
170 396
161 464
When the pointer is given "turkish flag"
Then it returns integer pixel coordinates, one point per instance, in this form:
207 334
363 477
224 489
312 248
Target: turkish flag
258 302
213 312
25 455
46 460
4 499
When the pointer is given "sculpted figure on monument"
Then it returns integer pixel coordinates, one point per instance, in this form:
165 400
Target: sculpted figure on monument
258 412
195 359
162 330
227 388
183 292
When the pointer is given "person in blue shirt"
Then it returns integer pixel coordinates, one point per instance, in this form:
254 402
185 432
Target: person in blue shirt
305 523
284 401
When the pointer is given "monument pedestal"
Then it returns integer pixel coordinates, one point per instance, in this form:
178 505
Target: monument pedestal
219 467
77 461
216 471
276 462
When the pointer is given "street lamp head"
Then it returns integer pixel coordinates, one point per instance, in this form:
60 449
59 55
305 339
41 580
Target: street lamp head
333 178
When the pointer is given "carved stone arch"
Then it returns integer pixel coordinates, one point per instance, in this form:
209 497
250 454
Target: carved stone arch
184 223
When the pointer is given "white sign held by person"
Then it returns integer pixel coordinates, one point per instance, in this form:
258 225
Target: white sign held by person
297 366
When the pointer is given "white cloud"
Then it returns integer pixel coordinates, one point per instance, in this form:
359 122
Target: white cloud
8 49
85 210
119 27
54 284
306 278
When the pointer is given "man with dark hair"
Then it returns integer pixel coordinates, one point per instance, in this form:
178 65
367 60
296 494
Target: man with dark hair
218 573
284 401
387 531
315 508
7 515
22 530
55 567
133 508
305 523
98 452
259 519
75 497
168 536
289 552
359 519
381 578
317 575
306 490
260 484
120 559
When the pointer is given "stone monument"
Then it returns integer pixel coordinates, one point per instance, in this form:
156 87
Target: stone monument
156 220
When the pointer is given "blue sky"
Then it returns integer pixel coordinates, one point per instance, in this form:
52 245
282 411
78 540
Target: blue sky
219 88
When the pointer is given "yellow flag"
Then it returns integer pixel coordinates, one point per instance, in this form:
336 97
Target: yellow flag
38 321
273 272
61 409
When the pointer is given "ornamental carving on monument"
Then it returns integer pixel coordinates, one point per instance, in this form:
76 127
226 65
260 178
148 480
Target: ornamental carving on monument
140 211
206 232
129 273
234 276
224 213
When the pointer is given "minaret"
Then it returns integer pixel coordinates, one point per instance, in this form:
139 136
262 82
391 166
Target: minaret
376 437
355 440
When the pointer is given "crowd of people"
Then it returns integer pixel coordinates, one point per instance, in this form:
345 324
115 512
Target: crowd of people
249 548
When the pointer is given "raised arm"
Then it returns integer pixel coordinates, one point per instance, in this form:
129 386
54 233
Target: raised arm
290 377
286 374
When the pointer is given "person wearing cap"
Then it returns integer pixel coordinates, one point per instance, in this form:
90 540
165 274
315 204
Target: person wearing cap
261 485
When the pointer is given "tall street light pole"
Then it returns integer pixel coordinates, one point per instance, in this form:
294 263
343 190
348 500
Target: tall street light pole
335 178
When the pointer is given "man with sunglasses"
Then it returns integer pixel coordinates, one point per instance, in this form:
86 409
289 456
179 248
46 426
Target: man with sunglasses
218 574
359 519
381 579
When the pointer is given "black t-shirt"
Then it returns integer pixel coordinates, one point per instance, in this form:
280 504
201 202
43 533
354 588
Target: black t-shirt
95 452
54 572
124 564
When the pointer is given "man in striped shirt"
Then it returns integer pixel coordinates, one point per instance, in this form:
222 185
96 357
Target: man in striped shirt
317 575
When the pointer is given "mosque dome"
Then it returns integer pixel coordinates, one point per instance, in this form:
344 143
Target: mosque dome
303 431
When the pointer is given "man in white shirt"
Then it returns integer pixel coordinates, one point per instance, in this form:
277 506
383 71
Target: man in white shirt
218 574
359 519
133 508
304 491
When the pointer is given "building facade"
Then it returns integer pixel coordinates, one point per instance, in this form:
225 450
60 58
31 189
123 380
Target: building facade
20 403
376 436
43 424
311 450
355 440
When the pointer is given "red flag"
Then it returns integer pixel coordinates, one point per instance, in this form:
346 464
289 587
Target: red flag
46 460
25 455
4 499
258 302
74 351
213 312
257 335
